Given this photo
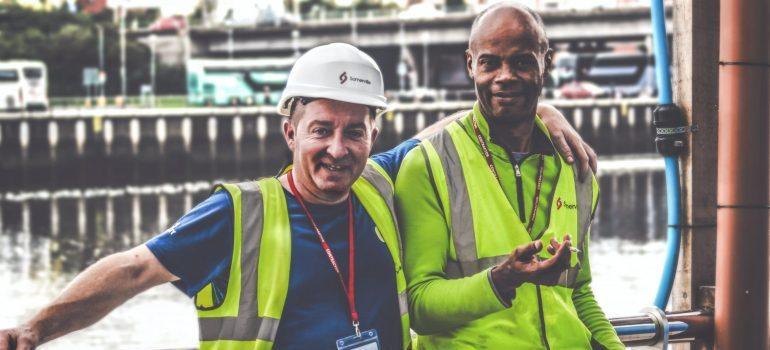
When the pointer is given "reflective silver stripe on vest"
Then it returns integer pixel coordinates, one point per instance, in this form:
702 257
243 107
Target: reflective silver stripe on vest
238 328
584 195
246 326
463 235
384 187
403 303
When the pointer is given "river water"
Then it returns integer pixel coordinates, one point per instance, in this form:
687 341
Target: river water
47 237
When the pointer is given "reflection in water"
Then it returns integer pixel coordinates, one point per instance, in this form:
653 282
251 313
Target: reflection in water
47 237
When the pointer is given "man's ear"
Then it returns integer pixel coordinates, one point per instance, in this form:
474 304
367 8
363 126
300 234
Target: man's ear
289 133
469 63
548 62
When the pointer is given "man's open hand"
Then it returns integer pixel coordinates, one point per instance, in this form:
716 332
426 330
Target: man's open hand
523 265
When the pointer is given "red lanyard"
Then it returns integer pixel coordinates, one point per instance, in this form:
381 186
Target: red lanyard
349 289
491 164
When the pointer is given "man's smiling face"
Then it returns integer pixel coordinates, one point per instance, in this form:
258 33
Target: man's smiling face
331 142
508 60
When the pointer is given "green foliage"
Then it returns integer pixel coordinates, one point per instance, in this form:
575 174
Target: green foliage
68 42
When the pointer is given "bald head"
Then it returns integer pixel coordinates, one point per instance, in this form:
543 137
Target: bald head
500 18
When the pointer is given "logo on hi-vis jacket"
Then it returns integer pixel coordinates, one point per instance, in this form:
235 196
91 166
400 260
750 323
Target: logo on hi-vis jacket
560 203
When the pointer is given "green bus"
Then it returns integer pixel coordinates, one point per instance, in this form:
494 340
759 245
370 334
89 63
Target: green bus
233 82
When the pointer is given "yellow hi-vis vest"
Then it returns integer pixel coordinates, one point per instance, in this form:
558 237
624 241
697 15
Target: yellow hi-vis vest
249 315
485 229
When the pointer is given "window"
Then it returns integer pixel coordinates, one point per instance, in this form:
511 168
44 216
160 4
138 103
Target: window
7 75
33 73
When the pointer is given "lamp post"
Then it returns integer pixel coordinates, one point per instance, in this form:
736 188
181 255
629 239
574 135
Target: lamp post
100 40
153 40
230 43
123 77
425 38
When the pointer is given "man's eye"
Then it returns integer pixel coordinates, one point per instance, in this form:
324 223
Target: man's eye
321 131
356 134
487 63
524 63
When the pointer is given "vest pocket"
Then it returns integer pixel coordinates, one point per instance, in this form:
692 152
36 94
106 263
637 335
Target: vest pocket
210 297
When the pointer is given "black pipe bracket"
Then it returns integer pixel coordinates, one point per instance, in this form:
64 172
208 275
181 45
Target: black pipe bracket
671 130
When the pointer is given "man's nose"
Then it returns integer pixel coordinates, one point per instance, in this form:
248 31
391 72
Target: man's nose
506 74
337 148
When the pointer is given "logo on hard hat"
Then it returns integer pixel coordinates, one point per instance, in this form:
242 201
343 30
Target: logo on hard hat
344 78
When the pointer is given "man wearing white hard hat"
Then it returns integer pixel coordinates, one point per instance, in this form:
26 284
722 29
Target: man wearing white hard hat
310 259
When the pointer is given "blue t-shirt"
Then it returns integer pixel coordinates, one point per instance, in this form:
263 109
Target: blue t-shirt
198 250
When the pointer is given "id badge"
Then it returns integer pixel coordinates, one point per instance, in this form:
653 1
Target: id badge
368 340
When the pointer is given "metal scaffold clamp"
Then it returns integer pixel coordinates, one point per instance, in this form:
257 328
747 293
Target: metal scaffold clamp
660 320
671 130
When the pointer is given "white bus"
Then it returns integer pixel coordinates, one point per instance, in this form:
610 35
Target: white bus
23 85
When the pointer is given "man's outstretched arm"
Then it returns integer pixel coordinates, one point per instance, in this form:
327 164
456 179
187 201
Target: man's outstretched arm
90 296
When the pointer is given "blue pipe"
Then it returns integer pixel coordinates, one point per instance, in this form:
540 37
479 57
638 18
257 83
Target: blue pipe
660 41
649 328
674 234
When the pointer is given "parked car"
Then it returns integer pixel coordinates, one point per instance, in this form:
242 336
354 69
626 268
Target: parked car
173 23
580 89
623 75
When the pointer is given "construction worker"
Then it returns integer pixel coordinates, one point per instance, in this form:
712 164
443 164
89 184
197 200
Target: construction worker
293 262
478 201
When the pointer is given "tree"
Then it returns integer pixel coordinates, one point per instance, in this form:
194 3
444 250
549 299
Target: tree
67 43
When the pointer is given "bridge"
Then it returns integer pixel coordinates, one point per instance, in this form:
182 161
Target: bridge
432 48
452 29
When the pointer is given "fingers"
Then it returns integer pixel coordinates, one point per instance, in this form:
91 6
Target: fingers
554 246
525 252
570 145
17 339
565 253
561 145
25 343
561 254
8 339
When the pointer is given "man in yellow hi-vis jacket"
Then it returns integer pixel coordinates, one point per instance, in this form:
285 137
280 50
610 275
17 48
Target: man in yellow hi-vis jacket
478 201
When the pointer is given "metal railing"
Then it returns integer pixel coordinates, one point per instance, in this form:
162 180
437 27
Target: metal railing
186 111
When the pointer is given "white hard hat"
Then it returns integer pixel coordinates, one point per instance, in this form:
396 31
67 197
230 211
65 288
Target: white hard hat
335 71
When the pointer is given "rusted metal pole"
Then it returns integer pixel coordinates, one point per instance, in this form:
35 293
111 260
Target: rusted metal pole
741 305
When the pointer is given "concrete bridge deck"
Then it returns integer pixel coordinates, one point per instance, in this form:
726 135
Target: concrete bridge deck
563 26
